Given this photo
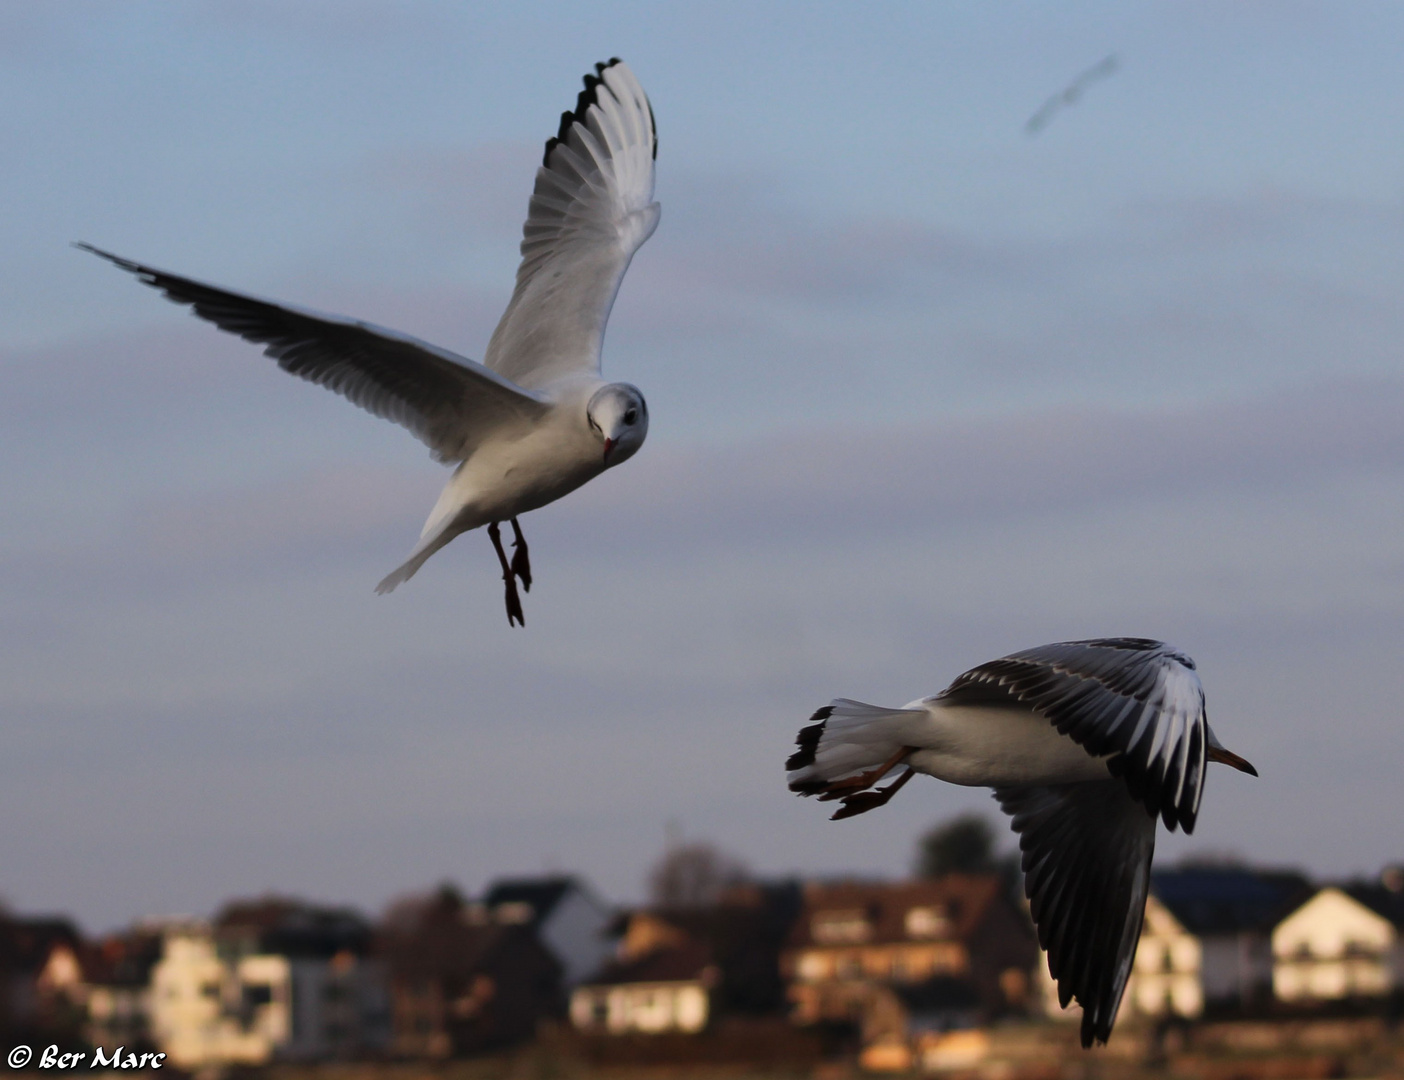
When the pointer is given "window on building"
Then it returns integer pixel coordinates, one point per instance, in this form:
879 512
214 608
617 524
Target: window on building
927 922
1014 985
832 927
514 912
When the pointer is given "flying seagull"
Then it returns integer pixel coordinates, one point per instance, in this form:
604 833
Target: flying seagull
1070 94
1085 743
534 420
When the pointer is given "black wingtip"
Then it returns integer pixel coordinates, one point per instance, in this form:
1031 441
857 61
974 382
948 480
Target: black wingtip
115 260
1094 1031
583 101
83 245
587 97
808 742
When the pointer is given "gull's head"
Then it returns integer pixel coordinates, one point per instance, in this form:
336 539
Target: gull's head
619 417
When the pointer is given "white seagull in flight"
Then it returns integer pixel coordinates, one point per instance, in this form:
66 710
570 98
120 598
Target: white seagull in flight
1085 743
534 420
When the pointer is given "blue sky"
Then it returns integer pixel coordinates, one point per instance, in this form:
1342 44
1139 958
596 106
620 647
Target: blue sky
924 389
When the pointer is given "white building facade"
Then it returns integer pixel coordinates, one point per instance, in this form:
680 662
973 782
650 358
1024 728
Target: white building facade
643 1007
204 1013
209 1009
1336 947
1167 974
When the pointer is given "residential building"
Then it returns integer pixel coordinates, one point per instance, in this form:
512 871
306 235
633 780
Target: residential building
664 987
895 960
1344 943
40 977
461 983
195 1002
271 978
1167 972
562 911
1206 943
676 969
117 974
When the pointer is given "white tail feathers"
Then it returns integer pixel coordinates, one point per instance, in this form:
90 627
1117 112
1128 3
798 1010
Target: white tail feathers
399 575
410 566
846 738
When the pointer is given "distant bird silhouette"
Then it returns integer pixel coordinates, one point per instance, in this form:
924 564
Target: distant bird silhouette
1085 743
1070 94
534 420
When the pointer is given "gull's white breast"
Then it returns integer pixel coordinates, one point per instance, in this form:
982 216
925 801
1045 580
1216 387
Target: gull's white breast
523 468
992 746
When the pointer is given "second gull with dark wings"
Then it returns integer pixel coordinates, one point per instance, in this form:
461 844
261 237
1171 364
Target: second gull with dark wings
1086 744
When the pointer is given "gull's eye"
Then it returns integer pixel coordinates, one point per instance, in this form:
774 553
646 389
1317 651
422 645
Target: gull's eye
631 416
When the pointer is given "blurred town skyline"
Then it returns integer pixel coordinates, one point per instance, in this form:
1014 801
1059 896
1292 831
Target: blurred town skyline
924 391
937 972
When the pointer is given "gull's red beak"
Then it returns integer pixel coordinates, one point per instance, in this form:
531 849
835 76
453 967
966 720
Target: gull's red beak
609 445
1228 757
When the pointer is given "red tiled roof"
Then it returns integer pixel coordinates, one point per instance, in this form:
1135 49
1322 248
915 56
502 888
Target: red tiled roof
684 962
960 901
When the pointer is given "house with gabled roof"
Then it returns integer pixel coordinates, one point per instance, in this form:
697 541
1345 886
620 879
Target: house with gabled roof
901 958
676 969
1206 944
1167 976
1345 943
563 912
40 976
661 981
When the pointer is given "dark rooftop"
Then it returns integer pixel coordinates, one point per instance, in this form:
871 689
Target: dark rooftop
1380 899
289 927
1209 900
541 895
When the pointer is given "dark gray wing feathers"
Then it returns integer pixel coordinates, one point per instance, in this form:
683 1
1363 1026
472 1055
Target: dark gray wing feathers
1134 701
448 404
1086 854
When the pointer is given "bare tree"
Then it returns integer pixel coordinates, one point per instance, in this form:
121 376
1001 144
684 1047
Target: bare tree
693 875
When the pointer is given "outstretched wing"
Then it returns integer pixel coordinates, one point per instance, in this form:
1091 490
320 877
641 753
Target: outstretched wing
1086 855
591 210
1136 701
451 403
